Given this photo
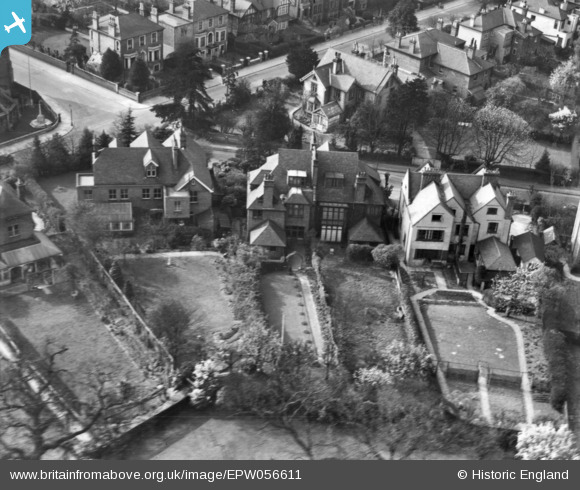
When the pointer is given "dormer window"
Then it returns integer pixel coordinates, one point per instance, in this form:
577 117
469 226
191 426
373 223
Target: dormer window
151 170
492 211
296 178
437 218
334 180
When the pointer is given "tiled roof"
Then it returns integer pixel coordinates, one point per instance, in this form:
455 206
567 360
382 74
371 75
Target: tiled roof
330 110
529 246
342 82
130 25
268 234
43 249
146 140
366 231
496 256
194 153
551 9
500 17
369 75
426 42
10 205
458 60
484 195
202 10
263 4
115 211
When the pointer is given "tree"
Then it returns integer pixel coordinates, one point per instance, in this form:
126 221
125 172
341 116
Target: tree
407 107
301 60
176 326
232 182
506 93
499 133
183 78
103 140
271 119
370 123
38 162
254 150
88 223
543 164
138 79
84 153
75 51
117 274
57 155
387 256
546 442
402 18
564 78
111 66
125 128
295 137
448 128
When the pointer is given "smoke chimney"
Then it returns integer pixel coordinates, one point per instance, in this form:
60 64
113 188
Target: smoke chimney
337 64
314 172
413 45
175 154
95 24
399 38
154 15
232 5
360 186
313 142
142 9
112 26
268 191
472 21
182 139
510 201
564 5
191 8
440 23
171 7
524 24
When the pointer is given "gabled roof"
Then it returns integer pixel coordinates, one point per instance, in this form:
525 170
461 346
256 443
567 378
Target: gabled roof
425 201
501 17
426 42
330 110
342 82
10 205
484 195
496 256
202 10
550 9
529 246
146 140
369 75
297 195
458 60
268 234
129 25
366 231
42 249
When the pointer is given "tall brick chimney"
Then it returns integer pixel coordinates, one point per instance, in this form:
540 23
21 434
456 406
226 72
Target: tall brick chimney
171 8
360 186
95 20
314 172
268 191
154 15
142 9
112 26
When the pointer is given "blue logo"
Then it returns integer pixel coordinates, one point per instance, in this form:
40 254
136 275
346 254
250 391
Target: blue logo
15 22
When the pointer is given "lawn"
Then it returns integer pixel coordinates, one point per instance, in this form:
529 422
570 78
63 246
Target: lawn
62 188
363 299
55 40
193 281
73 324
464 334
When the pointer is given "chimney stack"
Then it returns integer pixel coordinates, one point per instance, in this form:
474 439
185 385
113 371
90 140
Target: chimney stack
510 199
440 23
314 172
472 21
413 45
399 39
360 186
175 154
142 9
268 191
191 8
455 28
171 9
337 64
154 15
95 20
112 26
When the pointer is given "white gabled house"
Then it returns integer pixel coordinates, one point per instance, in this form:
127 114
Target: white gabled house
440 212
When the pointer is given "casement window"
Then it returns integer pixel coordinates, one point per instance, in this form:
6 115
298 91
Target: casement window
14 231
256 214
193 197
492 228
295 210
124 194
177 206
430 235
465 230
88 194
146 193
112 194
158 193
129 43
492 211
295 231
151 171
437 218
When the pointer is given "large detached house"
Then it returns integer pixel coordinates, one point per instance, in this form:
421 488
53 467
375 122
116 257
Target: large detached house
443 60
131 36
200 21
301 193
502 33
342 79
168 179
9 106
557 20
25 254
442 211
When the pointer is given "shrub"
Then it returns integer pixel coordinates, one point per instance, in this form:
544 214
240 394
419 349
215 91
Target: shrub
116 274
546 442
556 352
387 256
197 243
359 253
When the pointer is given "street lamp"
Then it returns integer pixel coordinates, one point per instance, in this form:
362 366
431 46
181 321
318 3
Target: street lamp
71 115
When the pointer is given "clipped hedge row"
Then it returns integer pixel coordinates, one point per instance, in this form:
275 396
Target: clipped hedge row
406 290
556 351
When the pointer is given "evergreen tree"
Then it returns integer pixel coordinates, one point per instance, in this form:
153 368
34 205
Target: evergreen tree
38 162
103 140
295 138
301 60
271 119
111 66
75 51
543 164
139 76
84 154
57 155
125 126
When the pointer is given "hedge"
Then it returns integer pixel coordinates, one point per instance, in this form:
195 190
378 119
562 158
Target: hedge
556 351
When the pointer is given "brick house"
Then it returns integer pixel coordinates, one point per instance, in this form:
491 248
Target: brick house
247 15
24 252
298 194
131 36
442 211
558 21
343 79
9 106
201 21
503 33
170 179
443 60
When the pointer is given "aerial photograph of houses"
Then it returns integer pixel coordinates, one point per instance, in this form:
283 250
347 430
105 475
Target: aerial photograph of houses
291 230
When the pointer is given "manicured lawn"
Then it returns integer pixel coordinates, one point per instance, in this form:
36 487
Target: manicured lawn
73 324
363 299
465 334
62 188
193 281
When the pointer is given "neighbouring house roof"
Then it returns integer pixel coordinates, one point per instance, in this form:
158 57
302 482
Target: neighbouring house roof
529 246
366 231
129 25
268 234
10 205
549 235
458 60
263 4
342 82
496 256
115 211
146 140
484 195
330 110
202 10
43 249
427 200
550 9
497 18
297 195
426 43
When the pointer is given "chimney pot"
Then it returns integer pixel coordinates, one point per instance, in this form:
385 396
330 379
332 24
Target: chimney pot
142 9
472 21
